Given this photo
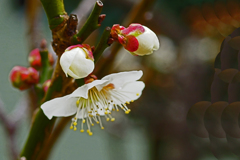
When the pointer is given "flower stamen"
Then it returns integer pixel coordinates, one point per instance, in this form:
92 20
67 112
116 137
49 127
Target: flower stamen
100 102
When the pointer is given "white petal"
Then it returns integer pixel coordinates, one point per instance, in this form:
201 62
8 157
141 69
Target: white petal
83 90
60 107
119 79
148 42
81 66
132 90
67 59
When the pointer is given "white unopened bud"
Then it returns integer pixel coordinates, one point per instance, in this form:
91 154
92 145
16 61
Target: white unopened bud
77 61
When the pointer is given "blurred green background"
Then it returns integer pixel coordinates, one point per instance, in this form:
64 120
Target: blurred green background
177 76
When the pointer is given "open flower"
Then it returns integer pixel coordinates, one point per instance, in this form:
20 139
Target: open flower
97 98
77 61
137 39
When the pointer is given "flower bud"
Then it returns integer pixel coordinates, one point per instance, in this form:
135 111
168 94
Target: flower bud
34 59
77 61
23 78
137 39
46 85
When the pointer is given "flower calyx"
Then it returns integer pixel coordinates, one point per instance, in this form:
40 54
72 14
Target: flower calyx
90 78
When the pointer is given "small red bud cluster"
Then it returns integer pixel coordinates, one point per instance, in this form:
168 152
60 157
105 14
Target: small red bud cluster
23 78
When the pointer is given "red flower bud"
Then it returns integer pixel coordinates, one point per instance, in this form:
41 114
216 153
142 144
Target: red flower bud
23 78
34 59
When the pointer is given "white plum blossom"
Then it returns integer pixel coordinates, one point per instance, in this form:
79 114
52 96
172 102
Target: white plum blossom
137 39
97 98
77 61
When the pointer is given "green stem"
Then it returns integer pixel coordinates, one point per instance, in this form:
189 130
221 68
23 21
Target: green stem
41 126
55 11
102 45
46 70
92 23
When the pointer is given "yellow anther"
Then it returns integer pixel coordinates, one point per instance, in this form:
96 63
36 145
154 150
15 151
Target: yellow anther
74 123
82 130
71 127
122 107
90 133
97 122
109 112
102 127
91 108
98 114
96 111
108 119
132 100
114 104
92 124
83 121
113 109
106 112
77 102
75 118
137 94
90 115
117 110
75 128
89 111
128 102
112 119
127 112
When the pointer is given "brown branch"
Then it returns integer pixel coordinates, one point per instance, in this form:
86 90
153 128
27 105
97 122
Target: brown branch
58 130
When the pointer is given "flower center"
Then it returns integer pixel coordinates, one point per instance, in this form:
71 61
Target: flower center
99 103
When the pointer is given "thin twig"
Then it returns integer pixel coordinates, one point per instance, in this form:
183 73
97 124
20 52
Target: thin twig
93 22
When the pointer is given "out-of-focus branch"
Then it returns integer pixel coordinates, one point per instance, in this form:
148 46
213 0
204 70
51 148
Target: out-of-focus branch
32 16
93 22
10 129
